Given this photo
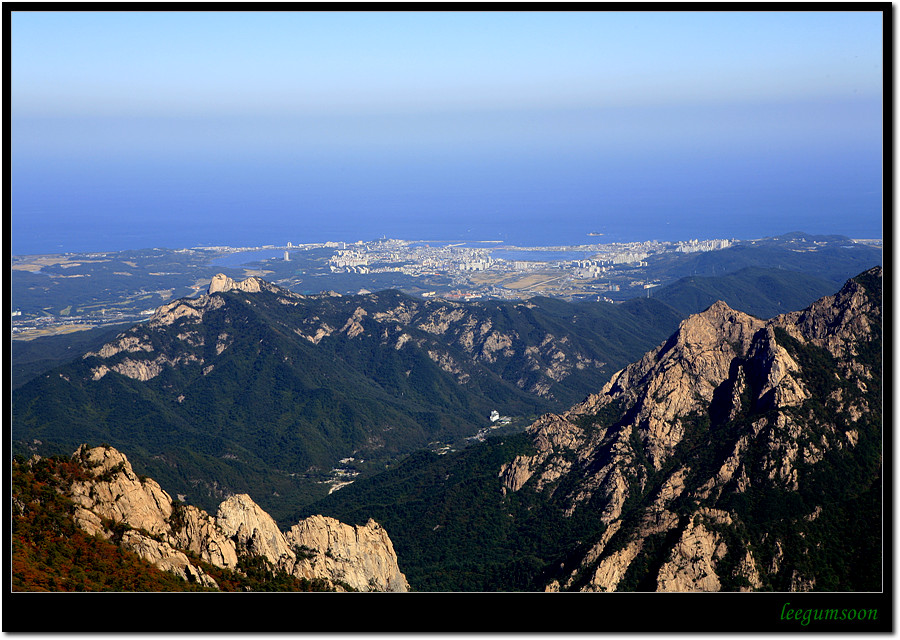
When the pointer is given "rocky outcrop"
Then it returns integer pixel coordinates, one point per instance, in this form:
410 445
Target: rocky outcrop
353 326
722 407
115 503
166 557
221 282
143 370
837 322
196 531
362 557
679 377
252 529
192 309
116 493
555 439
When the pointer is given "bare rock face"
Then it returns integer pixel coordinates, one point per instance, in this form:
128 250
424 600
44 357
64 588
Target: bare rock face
195 530
726 395
362 557
138 514
254 530
680 376
776 368
554 438
124 342
166 557
691 565
836 322
221 282
118 494
143 370
353 327
612 568
190 308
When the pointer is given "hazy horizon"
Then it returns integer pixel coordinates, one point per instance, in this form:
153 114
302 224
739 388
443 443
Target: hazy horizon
137 129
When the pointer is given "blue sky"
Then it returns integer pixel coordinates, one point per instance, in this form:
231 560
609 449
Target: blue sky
201 110
183 63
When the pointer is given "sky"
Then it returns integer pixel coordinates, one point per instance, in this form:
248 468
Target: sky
189 120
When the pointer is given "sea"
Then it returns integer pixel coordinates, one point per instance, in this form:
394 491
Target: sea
112 200
137 214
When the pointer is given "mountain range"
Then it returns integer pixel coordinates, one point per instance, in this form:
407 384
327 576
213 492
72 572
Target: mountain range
739 454
253 386
200 400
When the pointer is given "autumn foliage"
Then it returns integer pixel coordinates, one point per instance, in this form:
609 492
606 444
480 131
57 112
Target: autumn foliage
50 552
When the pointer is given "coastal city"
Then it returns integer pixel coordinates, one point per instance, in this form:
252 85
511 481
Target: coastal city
68 292
490 270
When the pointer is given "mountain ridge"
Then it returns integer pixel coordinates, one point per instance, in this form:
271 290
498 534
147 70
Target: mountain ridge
763 379
267 386
762 292
108 501
748 440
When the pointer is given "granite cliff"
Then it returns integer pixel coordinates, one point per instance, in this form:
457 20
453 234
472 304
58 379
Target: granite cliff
686 452
115 503
739 454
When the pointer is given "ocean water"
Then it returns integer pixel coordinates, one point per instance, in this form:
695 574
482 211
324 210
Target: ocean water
95 187
110 210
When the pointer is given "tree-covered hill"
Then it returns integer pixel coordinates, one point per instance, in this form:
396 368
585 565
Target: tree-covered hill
775 471
30 358
759 291
266 392
829 257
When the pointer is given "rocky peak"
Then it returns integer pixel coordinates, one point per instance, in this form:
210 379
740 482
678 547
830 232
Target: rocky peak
701 348
717 324
837 322
220 282
254 530
360 556
118 494
678 378
622 444
162 531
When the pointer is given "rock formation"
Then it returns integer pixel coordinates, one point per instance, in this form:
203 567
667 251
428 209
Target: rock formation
730 404
221 282
361 556
161 531
359 363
